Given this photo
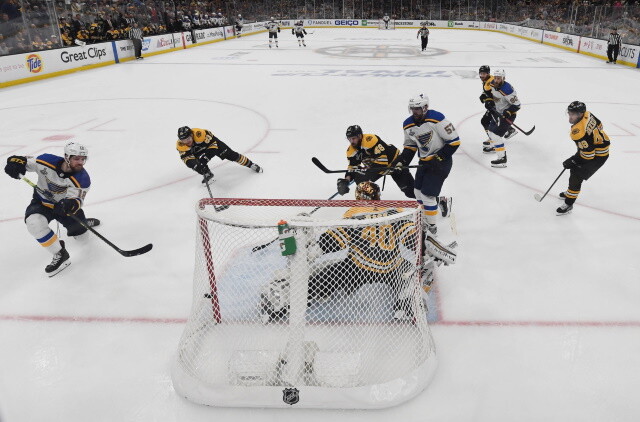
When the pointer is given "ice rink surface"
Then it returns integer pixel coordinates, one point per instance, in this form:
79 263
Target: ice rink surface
538 320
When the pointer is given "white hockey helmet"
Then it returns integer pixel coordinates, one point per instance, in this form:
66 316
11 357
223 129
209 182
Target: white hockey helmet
75 148
500 72
419 100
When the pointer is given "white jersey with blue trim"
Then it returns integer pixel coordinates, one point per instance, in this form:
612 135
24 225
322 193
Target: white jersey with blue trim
429 136
58 184
505 96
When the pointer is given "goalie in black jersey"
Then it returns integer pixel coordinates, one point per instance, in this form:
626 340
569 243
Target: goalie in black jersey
366 151
375 254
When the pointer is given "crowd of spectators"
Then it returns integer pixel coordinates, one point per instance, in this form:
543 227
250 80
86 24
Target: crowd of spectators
30 25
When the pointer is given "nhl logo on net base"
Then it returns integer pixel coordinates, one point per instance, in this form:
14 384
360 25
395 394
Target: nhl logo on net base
291 396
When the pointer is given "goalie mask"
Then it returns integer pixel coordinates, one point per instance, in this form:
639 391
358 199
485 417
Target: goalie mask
367 191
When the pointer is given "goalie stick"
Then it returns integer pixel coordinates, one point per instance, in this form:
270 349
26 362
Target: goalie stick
122 252
540 198
322 167
264 245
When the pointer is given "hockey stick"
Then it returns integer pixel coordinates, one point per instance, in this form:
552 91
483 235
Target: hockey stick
134 252
217 208
322 167
516 126
540 198
259 247
497 116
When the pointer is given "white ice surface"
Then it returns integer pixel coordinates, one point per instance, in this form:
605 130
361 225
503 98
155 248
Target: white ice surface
539 320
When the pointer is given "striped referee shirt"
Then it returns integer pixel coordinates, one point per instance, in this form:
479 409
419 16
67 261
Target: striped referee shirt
614 39
135 33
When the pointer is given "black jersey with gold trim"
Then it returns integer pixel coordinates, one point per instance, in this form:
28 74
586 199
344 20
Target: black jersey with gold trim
372 150
590 138
204 142
372 248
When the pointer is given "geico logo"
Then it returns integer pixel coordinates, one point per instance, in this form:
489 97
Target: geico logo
347 22
628 52
90 53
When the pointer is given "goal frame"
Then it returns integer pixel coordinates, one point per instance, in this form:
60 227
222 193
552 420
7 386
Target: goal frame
381 395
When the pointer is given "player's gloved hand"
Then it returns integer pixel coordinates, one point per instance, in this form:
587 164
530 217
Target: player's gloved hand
436 161
367 162
570 163
489 104
508 115
343 186
16 166
483 97
201 167
65 207
396 167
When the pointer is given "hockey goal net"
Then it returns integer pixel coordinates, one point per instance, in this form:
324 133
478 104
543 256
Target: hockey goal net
325 312
386 24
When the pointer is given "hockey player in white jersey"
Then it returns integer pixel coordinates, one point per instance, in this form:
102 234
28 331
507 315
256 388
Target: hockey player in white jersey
63 184
503 108
434 138
299 31
239 25
273 27
386 19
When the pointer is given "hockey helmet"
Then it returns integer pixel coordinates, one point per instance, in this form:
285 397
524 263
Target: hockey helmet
75 149
184 132
500 72
419 101
484 69
368 191
354 130
577 107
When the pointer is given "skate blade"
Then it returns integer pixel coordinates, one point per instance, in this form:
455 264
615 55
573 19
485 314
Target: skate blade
62 267
560 214
493 151
499 166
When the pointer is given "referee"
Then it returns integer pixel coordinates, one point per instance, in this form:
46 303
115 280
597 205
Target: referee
135 35
613 47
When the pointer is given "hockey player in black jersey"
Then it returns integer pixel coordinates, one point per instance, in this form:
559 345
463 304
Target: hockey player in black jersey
368 150
198 146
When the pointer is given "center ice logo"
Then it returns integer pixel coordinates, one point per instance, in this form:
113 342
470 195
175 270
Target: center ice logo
34 63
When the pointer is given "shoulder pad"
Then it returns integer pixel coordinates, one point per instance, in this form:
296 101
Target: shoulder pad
434 115
578 131
351 151
408 121
506 88
182 147
50 159
82 178
369 140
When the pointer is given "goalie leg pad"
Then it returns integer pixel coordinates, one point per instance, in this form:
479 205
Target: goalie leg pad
439 251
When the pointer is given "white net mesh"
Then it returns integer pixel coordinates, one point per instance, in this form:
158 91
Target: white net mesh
340 322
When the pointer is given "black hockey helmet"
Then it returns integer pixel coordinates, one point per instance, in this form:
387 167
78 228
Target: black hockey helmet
353 131
484 69
184 132
577 107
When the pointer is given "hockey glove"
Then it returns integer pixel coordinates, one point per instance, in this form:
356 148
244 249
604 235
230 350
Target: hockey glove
201 167
65 207
16 166
396 167
490 105
484 97
508 115
570 163
343 186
